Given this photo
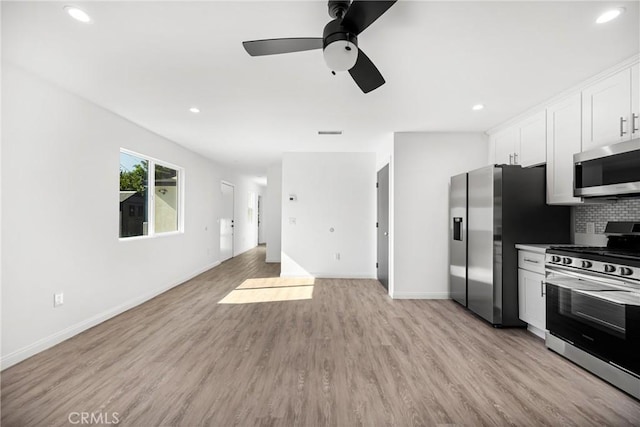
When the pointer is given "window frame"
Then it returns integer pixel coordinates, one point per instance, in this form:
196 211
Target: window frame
151 194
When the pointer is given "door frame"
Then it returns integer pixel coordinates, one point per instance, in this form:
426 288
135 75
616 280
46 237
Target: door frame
386 240
233 214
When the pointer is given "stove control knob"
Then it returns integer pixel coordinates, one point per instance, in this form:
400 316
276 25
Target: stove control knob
587 264
555 258
608 268
625 271
566 260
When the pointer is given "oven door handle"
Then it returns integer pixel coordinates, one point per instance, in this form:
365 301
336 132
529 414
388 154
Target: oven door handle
586 277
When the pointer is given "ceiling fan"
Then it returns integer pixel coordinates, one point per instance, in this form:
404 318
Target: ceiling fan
339 41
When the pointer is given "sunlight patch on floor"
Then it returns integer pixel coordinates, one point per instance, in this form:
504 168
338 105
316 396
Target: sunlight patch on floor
271 289
276 282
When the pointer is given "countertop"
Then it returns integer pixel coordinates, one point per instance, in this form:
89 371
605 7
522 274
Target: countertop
535 247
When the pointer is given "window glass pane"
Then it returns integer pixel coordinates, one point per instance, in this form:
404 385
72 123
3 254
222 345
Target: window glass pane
166 199
134 173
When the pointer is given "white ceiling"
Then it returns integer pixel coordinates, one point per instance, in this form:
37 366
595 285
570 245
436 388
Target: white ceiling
151 61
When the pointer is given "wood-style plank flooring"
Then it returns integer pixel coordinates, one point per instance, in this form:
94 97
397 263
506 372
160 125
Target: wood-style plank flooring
348 356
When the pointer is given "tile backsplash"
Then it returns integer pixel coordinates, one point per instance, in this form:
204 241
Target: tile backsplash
599 214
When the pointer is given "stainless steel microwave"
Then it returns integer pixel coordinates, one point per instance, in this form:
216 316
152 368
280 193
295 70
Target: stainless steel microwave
608 172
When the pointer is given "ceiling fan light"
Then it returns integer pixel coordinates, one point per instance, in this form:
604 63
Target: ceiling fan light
340 55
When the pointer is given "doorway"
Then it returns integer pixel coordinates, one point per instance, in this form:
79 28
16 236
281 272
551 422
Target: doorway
382 264
226 222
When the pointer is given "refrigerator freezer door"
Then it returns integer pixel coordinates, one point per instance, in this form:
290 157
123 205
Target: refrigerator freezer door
482 219
458 239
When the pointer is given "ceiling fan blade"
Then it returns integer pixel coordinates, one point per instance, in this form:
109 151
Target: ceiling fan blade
363 13
276 46
365 74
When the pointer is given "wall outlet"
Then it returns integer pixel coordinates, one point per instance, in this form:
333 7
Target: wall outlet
337 256
591 228
58 299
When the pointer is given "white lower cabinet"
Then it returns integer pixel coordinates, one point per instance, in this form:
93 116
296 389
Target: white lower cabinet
531 291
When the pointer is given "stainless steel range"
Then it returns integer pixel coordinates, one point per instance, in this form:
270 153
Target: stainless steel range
593 305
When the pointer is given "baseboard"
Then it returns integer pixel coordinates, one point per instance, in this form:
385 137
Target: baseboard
420 295
332 275
540 333
58 337
272 260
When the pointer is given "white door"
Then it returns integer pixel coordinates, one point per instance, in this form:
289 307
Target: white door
226 223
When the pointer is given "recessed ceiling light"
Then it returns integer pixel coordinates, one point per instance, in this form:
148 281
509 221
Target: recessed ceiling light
477 107
78 14
194 110
329 132
609 15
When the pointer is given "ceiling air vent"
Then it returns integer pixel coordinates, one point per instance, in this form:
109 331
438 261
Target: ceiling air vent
329 132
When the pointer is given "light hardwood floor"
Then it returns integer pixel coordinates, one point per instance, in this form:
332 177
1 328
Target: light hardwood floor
347 356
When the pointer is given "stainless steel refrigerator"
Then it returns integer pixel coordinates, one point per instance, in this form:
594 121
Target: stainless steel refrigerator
491 210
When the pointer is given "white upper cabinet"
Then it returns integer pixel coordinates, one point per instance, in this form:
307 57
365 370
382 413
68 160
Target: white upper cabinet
563 141
606 111
521 144
506 144
533 140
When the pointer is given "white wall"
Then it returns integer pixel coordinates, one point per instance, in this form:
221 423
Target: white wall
422 166
273 212
60 167
333 190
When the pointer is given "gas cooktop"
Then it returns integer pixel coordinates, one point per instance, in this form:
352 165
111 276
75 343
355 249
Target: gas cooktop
597 250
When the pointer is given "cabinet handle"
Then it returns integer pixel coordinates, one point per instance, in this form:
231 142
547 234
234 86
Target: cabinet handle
510 159
541 288
515 158
532 260
634 127
622 122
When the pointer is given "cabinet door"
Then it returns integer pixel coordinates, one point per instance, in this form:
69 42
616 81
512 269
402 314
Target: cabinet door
635 101
531 291
563 141
505 143
533 140
606 111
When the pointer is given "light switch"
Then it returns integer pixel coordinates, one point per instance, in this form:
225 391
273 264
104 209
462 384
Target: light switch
292 221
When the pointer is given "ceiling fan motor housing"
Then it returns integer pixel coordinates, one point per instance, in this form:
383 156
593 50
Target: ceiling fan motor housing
334 31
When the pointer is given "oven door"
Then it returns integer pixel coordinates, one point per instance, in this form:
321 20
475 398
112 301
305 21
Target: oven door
599 319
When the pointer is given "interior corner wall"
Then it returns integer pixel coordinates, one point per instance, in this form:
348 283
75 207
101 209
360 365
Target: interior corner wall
273 213
423 164
60 165
334 213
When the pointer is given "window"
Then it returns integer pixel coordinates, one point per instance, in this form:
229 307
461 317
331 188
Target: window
150 196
